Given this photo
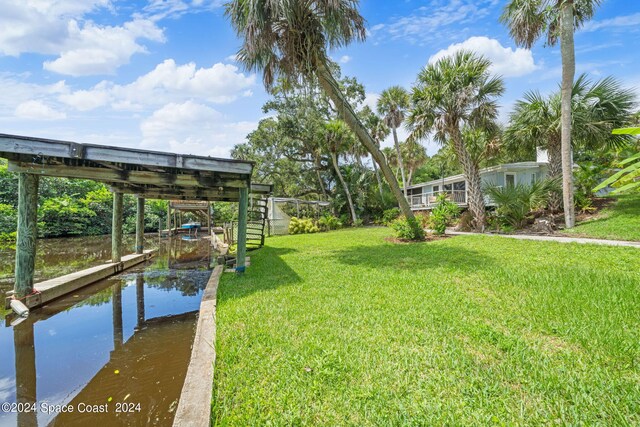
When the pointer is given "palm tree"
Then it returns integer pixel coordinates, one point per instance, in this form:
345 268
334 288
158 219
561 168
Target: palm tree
379 131
338 138
289 39
456 92
597 108
392 106
527 21
415 156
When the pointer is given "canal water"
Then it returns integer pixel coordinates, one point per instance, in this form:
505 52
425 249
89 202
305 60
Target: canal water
112 354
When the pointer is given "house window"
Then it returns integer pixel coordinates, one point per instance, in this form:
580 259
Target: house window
460 185
436 188
447 187
534 178
510 179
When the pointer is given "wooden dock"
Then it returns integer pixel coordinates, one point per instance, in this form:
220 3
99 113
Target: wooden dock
55 288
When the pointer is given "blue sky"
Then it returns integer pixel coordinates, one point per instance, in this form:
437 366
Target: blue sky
161 74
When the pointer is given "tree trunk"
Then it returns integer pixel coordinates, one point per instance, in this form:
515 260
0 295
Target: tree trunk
410 176
317 167
334 160
568 74
475 198
375 168
331 88
554 152
400 162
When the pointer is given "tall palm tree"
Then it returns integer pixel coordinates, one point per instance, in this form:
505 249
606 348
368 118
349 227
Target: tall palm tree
528 21
596 109
455 92
338 139
392 106
378 131
289 39
414 155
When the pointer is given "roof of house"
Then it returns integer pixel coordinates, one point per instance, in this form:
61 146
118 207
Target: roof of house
502 167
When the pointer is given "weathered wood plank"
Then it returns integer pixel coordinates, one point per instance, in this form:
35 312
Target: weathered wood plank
53 148
242 230
127 177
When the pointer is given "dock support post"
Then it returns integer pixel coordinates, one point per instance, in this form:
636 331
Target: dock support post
27 233
169 218
140 226
140 299
116 229
25 360
116 305
242 230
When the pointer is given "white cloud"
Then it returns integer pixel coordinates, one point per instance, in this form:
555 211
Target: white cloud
619 21
37 110
168 82
160 9
506 61
439 20
193 128
93 49
81 46
344 59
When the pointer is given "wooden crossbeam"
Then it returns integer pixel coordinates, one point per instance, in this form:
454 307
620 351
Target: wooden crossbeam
132 177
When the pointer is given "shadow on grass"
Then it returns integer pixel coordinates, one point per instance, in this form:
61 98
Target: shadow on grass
416 256
267 271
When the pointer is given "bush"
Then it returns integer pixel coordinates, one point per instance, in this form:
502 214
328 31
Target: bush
442 215
302 226
329 222
515 203
8 237
423 219
63 216
8 218
389 215
403 230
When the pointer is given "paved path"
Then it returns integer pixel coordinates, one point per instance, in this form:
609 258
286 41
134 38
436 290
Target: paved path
557 239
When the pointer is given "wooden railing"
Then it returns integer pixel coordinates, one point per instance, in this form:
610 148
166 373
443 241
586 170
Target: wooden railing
429 200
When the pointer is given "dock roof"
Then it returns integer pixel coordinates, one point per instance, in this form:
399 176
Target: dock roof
150 174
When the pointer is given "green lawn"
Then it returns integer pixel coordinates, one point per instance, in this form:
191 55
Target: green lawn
344 328
621 221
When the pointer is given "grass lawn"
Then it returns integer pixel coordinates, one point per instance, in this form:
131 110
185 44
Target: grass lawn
621 221
344 328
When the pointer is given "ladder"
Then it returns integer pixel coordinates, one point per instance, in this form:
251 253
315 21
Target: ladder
256 223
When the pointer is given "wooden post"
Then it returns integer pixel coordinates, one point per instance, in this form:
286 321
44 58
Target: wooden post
27 233
25 360
116 228
242 230
116 305
140 299
209 217
169 218
140 226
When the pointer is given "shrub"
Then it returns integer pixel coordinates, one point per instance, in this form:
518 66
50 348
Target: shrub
8 218
515 203
403 230
442 215
423 219
302 226
389 215
63 216
329 222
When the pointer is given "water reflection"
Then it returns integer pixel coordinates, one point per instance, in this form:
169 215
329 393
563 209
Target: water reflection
124 339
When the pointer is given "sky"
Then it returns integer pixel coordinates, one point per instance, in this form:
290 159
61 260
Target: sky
162 75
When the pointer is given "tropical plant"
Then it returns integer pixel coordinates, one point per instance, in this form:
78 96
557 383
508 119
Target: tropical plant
392 106
379 131
329 222
626 180
455 92
403 230
415 156
443 214
288 39
514 203
528 21
302 226
389 215
597 108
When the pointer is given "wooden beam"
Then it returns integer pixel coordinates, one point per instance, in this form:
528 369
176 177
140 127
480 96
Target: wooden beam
27 233
242 230
129 177
116 228
140 226
30 146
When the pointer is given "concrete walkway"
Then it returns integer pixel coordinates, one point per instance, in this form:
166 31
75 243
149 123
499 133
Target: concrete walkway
555 239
